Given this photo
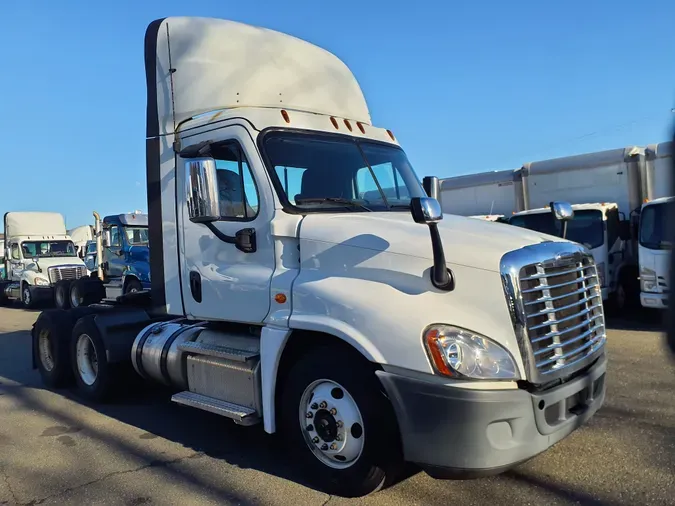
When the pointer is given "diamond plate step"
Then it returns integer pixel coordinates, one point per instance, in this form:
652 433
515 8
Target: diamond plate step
213 350
240 414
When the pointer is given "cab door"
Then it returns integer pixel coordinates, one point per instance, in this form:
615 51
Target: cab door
218 280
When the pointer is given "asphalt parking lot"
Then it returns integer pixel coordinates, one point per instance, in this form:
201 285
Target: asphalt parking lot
147 450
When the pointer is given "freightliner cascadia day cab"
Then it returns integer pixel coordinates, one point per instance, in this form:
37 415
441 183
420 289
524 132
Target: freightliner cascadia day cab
281 296
39 257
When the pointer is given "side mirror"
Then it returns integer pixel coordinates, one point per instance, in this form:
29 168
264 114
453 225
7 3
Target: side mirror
426 210
562 211
105 238
625 230
201 190
431 186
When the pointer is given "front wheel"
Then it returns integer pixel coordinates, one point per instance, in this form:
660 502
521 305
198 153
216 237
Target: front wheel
132 286
27 296
336 417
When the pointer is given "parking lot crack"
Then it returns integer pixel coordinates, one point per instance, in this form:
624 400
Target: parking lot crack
9 487
152 463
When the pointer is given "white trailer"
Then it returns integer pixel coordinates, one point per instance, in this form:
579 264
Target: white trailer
487 193
281 296
39 257
654 246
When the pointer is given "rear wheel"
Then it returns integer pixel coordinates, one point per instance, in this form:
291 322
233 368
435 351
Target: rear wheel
86 291
95 377
62 294
51 334
339 422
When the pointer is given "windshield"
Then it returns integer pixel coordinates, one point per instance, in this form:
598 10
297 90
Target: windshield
91 248
585 228
653 226
42 249
136 235
316 172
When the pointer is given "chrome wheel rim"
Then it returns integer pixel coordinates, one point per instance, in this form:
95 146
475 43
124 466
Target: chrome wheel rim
60 297
331 424
87 360
45 350
26 296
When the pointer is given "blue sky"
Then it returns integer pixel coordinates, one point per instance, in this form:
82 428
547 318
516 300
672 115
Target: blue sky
465 86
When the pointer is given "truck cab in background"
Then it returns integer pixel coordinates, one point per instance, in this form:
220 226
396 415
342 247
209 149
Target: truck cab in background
119 258
599 228
655 247
39 256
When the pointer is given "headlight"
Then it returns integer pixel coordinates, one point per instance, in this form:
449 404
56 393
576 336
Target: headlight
461 353
601 273
41 281
647 280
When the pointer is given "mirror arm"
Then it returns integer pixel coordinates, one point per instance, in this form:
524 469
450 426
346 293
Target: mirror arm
441 277
564 229
244 240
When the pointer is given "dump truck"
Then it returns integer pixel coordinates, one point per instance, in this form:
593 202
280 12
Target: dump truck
367 332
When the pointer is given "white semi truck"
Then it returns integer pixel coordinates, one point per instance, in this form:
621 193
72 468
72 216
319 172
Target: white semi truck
654 246
604 188
280 296
39 257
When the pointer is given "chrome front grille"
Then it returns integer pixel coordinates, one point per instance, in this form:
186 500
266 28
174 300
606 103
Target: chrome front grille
555 298
60 273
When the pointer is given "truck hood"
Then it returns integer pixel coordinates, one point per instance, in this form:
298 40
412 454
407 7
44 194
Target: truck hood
466 241
46 263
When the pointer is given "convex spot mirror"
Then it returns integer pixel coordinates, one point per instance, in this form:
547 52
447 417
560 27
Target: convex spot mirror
201 190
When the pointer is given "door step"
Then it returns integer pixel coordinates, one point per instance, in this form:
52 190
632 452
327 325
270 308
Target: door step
240 414
214 350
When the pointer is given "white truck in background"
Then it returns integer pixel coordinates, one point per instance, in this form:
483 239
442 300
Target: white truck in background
281 296
39 254
81 236
604 188
654 247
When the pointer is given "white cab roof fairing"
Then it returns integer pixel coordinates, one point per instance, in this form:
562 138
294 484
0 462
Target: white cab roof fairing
38 224
201 64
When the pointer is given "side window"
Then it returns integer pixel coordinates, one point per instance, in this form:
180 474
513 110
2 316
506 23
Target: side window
291 180
612 226
237 189
115 239
389 179
15 252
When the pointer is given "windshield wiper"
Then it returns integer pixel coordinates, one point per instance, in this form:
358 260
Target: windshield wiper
337 200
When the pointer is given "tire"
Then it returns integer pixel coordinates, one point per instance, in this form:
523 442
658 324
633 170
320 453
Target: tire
133 285
62 294
85 291
51 336
94 376
27 300
346 380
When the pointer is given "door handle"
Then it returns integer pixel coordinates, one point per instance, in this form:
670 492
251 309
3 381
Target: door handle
196 286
